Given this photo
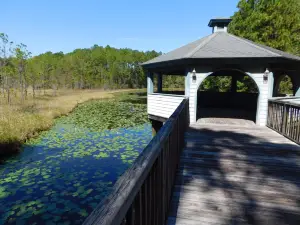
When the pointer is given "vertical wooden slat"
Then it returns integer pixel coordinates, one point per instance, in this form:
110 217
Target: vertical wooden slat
292 122
130 216
138 209
148 194
150 197
155 192
168 168
164 181
158 190
145 203
296 123
289 121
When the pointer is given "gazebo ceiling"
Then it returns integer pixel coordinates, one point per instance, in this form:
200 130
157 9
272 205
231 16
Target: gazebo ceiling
219 47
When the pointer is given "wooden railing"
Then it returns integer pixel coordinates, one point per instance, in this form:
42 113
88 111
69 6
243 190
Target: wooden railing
142 194
284 117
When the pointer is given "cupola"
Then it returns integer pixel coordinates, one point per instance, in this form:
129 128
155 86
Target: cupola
219 24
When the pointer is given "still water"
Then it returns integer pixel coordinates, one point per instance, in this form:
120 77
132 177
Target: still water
60 177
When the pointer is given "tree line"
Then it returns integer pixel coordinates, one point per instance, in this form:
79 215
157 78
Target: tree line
95 67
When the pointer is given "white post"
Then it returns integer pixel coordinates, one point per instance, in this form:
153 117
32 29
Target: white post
149 83
187 84
270 85
296 84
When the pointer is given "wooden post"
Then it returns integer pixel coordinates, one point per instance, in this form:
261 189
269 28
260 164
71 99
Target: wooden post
187 84
233 84
159 83
156 125
285 118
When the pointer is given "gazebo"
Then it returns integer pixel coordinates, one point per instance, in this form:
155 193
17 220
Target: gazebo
220 54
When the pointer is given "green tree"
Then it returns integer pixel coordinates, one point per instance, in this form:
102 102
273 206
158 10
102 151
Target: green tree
275 23
216 83
33 74
6 66
285 86
20 59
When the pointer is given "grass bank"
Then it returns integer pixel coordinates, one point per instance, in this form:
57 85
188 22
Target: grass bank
18 122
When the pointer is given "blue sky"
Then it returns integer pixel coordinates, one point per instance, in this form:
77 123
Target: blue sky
64 25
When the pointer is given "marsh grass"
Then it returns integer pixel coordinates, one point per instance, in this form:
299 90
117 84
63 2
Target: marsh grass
20 121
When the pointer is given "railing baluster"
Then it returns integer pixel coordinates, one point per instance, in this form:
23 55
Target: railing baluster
130 216
292 122
138 209
298 125
164 180
145 202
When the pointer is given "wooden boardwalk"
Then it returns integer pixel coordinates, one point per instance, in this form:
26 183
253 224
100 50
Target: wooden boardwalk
236 174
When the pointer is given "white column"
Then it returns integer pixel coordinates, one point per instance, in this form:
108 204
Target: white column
194 85
187 84
262 103
297 92
296 83
149 83
270 84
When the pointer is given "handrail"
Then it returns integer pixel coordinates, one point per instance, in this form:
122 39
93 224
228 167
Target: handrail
283 100
171 95
284 117
142 194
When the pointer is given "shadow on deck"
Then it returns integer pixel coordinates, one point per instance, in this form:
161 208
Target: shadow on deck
236 174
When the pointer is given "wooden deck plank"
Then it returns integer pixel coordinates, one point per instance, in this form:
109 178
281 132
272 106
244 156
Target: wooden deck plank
236 174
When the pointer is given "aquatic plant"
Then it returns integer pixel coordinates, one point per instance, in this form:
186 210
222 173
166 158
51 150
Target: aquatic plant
102 115
62 175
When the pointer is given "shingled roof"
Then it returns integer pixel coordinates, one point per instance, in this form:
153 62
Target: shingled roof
221 45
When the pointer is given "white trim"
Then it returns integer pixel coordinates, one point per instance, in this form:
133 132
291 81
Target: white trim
162 94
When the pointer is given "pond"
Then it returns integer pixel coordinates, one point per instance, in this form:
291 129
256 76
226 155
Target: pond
61 176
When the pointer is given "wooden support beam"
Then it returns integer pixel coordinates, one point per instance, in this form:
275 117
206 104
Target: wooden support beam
187 84
159 82
157 118
270 85
156 126
233 84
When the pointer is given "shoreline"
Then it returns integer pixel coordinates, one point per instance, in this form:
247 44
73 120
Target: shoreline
13 147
